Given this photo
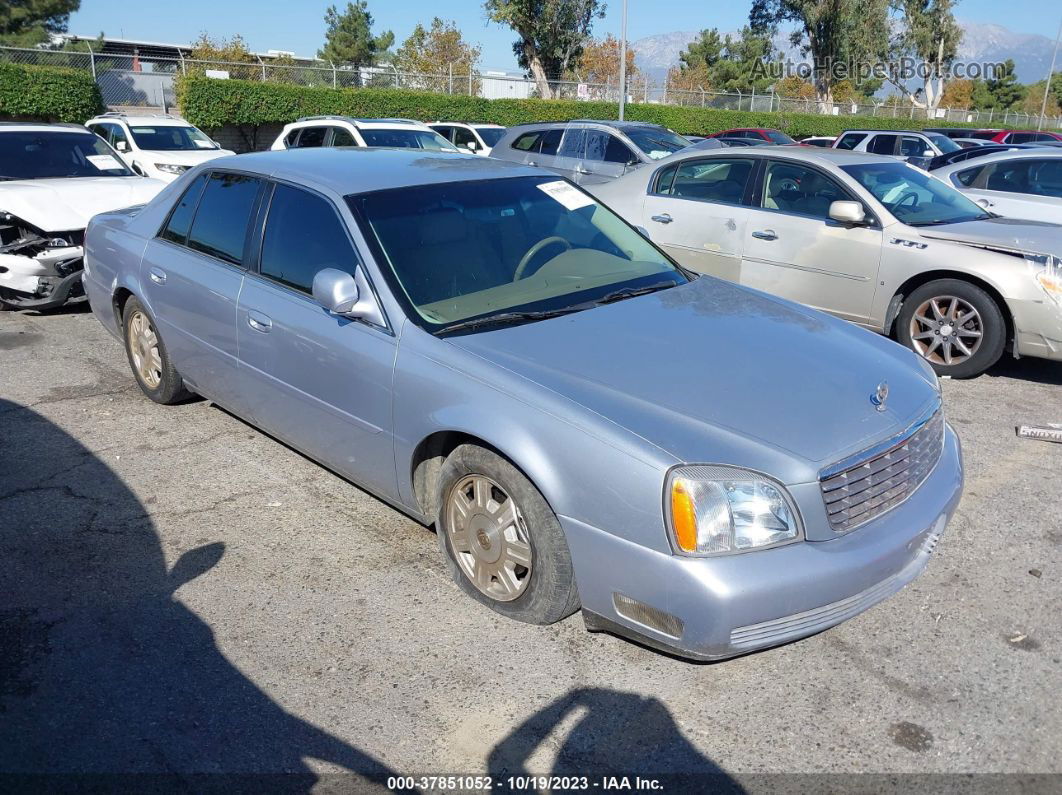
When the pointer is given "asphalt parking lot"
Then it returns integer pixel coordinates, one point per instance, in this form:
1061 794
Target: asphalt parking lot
181 593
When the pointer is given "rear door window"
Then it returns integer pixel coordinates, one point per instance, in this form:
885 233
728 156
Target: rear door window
223 215
883 144
311 136
715 179
342 137
550 142
1045 177
851 140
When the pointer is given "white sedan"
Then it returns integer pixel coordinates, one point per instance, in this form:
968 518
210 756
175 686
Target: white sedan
1023 183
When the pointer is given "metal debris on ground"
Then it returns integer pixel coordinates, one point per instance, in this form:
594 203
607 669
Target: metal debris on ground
1052 432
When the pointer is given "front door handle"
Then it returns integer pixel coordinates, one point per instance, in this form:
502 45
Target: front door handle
661 219
532 162
157 275
581 170
259 322
766 234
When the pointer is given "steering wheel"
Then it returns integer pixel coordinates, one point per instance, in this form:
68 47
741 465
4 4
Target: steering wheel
789 184
531 252
909 195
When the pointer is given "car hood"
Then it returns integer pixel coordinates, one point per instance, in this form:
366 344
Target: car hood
60 205
184 157
702 369
1012 234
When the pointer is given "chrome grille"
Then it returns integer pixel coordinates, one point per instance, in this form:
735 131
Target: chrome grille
857 491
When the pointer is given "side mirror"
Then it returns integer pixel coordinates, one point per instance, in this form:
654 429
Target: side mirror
121 146
929 153
850 213
346 295
983 203
471 146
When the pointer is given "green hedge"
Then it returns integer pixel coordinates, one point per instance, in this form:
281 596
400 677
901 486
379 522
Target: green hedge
214 103
48 93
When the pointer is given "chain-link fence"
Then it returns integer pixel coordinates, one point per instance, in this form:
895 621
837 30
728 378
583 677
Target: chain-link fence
147 81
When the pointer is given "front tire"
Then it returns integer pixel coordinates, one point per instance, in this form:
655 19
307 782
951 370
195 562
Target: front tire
503 543
954 325
154 373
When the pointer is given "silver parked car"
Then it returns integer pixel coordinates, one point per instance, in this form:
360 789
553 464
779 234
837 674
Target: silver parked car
867 238
588 152
1021 183
707 468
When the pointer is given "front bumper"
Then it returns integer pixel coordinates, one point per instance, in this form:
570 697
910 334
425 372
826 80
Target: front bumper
1037 328
729 605
46 280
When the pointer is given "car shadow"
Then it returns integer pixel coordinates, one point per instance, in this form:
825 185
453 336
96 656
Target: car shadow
614 734
1041 371
104 673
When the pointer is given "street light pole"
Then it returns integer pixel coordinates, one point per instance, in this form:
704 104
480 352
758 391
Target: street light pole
1050 74
623 62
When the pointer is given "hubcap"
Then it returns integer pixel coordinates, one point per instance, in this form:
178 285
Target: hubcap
144 350
946 330
488 536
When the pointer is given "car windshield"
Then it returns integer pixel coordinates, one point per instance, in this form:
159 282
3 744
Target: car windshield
657 142
407 139
489 252
170 138
779 137
490 135
915 197
943 143
51 155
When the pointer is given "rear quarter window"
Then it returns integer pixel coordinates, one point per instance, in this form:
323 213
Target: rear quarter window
967 177
526 142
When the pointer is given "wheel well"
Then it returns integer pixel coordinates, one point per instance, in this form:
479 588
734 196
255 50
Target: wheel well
427 463
919 279
121 295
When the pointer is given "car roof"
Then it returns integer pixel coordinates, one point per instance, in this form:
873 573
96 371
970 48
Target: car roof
361 124
835 157
898 132
613 123
158 120
346 170
1033 152
31 126
468 124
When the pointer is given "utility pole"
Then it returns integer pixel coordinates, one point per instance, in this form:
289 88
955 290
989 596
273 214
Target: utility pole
623 62
1050 74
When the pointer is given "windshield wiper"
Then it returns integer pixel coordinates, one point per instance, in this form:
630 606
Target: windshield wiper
510 318
630 292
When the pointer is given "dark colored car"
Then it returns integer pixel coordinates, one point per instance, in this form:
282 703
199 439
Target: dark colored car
765 134
948 158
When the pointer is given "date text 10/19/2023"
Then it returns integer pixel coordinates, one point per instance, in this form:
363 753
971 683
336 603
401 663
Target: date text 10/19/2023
521 783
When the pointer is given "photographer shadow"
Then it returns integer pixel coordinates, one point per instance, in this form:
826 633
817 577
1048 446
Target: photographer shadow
615 735
104 672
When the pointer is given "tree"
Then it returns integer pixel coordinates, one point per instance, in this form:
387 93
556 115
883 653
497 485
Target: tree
551 34
1035 96
433 52
928 37
839 35
26 23
705 50
958 94
229 55
599 64
686 84
349 39
1005 91
742 64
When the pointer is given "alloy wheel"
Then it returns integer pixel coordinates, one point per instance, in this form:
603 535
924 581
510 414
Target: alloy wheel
489 538
144 350
946 330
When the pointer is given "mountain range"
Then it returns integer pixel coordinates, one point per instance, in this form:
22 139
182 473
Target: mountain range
1031 53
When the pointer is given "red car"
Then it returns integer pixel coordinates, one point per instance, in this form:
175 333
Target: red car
1015 136
763 133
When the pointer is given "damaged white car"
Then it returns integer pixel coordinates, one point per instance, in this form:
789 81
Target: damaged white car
53 179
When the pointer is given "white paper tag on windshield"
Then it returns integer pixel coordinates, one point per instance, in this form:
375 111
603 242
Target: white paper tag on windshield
565 194
104 162
203 144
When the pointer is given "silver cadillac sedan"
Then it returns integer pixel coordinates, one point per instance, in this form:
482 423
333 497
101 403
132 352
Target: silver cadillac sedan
697 465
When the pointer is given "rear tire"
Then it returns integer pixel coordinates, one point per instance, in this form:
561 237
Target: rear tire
953 324
502 541
148 359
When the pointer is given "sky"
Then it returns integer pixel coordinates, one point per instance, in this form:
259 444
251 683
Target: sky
299 24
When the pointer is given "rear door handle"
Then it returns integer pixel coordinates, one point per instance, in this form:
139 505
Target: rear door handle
156 275
661 219
258 321
766 234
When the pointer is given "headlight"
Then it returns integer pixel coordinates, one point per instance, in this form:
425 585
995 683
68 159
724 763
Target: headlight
171 168
1047 270
719 509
